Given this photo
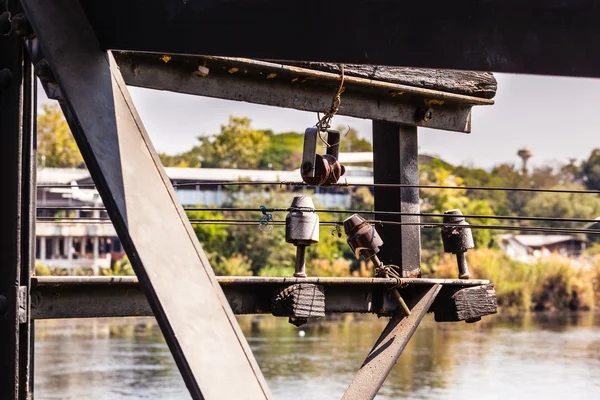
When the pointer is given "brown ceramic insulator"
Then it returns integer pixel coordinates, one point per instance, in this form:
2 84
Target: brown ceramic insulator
362 237
328 171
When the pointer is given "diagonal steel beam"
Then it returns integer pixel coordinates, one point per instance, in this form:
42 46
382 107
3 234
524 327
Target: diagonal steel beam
387 349
196 320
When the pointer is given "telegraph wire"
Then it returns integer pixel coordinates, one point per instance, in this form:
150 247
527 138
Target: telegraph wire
346 211
342 185
425 225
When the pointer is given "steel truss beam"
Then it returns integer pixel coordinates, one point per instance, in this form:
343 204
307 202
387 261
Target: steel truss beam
549 37
86 297
195 318
389 347
303 89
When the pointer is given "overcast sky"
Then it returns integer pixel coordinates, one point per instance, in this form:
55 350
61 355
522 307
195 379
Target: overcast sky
554 117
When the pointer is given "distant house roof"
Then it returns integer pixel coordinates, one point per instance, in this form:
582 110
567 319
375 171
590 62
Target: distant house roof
61 175
354 175
542 240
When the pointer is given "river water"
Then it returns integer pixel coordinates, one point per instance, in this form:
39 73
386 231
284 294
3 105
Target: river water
521 357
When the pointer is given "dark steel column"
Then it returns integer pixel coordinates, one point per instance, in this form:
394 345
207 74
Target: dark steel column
28 217
395 160
15 229
388 348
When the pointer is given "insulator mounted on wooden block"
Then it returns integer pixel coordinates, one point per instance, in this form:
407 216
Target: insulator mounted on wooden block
302 223
457 238
301 229
362 237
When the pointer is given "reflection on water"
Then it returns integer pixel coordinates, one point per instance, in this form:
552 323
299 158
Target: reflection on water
542 356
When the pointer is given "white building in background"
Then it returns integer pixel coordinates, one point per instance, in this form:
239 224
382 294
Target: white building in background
530 248
64 244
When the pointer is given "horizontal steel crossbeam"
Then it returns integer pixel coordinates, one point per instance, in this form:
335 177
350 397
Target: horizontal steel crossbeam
83 297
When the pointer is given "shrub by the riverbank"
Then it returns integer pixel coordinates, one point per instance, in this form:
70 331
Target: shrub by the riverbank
551 284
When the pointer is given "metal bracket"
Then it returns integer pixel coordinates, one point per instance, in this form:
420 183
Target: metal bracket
23 304
309 152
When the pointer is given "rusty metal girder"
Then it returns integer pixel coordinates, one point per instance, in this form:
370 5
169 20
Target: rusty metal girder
389 347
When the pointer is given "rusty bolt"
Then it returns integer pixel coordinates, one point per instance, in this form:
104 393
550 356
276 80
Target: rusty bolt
424 114
5 26
5 78
42 70
21 26
3 305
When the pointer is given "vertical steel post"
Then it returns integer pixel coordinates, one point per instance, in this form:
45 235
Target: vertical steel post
395 160
16 143
28 217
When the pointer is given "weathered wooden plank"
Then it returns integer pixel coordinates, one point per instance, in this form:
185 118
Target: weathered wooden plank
471 83
469 304
260 82
303 300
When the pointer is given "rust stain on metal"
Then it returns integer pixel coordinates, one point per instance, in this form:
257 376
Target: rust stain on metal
435 102
166 58
271 75
233 70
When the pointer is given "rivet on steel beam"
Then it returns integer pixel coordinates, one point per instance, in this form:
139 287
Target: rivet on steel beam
21 26
3 305
5 78
457 239
5 26
43 71
423 114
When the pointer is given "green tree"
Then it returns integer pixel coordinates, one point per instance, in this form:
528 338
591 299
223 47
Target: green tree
590 170
564 205
236 146
56 146
351 142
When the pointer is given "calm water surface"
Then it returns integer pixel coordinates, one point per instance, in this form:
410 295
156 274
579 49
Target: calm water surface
540 356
